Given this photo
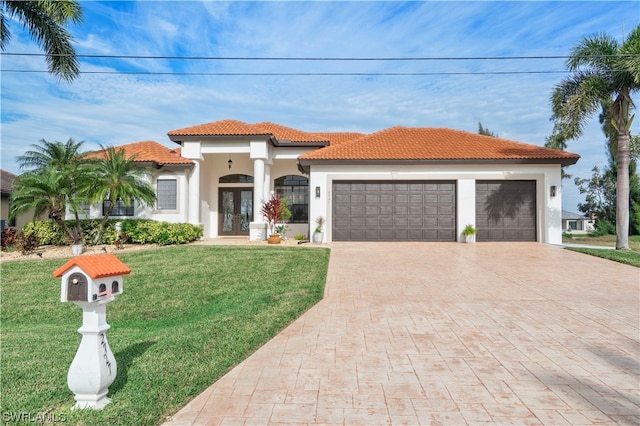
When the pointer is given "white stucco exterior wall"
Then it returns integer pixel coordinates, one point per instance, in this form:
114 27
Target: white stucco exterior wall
549 209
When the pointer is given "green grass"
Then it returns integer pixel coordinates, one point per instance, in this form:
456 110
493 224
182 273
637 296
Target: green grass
187 316
603 240
629 257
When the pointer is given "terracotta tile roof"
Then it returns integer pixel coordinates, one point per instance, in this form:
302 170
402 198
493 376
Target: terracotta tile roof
6 182
402 143
220 128
240 128
96 266
149 151
338 138
288 133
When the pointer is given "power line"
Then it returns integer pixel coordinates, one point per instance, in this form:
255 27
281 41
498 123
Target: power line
302 58
294 74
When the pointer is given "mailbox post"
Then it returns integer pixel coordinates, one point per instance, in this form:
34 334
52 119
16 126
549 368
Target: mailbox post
91 282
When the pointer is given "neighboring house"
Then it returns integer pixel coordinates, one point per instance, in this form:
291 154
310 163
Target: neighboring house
577 224
6 186
398 184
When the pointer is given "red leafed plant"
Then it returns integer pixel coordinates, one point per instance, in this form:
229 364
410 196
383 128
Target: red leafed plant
273 211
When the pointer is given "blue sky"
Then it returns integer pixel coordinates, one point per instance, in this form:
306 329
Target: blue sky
117 108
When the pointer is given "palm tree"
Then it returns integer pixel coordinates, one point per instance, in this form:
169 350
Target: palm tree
118 178
56 180
45 20
603 70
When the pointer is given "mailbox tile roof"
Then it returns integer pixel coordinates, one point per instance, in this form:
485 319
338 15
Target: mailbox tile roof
96 266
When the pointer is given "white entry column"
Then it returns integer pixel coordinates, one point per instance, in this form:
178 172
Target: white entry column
259 153
194 194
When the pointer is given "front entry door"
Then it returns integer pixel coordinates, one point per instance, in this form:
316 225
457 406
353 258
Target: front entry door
236 211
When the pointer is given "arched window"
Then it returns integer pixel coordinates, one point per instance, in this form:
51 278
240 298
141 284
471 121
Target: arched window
296 190
236 179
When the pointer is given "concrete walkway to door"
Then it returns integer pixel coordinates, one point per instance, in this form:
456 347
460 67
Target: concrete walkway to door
447 333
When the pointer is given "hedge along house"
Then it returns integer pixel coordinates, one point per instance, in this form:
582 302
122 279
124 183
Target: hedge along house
398 184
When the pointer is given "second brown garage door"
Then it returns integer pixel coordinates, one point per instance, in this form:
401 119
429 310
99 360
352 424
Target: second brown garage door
506 210
394 211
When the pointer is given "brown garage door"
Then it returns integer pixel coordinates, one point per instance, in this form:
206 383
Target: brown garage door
394 211
506 210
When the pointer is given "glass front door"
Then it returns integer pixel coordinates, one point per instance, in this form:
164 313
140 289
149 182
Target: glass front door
236 211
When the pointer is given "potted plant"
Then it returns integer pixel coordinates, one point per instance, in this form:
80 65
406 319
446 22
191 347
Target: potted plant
77 246
273 212
469 233
318 235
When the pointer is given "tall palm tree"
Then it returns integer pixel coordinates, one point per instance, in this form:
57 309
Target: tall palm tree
46 20
603 70
56 176
118 178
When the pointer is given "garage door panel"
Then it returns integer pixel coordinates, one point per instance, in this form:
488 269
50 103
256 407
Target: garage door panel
415 198
386 198
506 210
371 221
400 210
342 199
395 211
415 210
356 210
370 198
401 198
416 222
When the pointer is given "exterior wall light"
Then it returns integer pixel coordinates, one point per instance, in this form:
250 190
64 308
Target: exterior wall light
317 192
552 191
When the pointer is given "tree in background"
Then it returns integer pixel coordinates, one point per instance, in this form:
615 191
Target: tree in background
56 177
603 70
485 131
45 20
118 179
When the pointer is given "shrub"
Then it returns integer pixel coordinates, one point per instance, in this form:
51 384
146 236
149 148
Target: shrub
163 233
299 237
48 232
139 231
603 227
27 243
9 238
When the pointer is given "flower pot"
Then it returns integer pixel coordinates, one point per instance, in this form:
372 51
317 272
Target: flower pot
318 237
471 238
77 249
274 239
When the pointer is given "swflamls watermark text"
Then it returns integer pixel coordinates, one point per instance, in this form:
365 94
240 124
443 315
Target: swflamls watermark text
26 417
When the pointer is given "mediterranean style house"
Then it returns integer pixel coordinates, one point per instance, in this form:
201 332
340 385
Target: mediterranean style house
397 184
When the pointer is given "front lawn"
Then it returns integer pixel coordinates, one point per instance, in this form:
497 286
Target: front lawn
629 257
188 314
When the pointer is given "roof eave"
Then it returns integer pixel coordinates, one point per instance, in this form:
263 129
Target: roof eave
164 166
561 161
179 139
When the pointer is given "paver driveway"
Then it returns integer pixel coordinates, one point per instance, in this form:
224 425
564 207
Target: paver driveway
438 333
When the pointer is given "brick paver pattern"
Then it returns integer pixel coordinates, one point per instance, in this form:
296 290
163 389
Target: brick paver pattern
439 333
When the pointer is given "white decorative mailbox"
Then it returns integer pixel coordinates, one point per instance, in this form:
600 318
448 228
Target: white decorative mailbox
91 282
